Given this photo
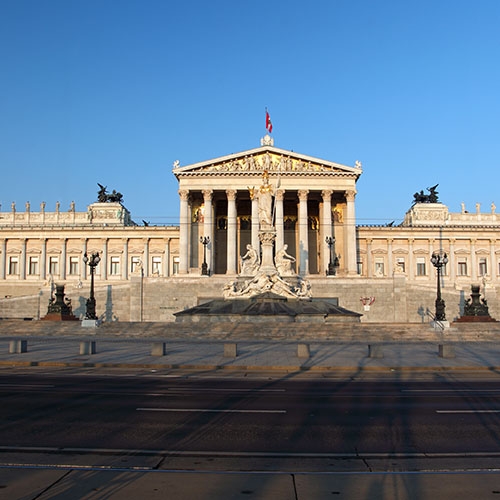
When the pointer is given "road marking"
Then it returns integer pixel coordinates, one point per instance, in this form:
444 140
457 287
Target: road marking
31 386
467 411
210 389
450 390
205 410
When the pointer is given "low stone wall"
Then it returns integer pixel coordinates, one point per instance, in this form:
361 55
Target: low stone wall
339 333
157 299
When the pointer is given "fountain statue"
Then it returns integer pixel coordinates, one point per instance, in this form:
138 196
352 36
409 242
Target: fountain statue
267 274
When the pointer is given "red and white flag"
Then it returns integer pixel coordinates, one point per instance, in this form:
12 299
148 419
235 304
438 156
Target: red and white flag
269 123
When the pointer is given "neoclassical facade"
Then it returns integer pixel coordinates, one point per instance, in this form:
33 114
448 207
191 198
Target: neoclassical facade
147 273
313 200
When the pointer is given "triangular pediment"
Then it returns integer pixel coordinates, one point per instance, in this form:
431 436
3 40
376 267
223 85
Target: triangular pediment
266 158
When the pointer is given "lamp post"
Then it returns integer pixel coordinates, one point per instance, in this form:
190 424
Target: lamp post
204 240
92 263
329 240
439 259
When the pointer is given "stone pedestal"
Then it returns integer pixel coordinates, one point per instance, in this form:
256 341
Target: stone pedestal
267 238
476 308
59 309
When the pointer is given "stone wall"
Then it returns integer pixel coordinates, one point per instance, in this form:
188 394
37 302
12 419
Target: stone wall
157 299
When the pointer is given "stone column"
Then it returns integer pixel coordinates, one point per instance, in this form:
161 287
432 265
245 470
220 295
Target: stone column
125 260
3 258
303 233
369 262
350 234
411 260
208 225
184 222
22 264
64 253
166 260
492 271
104 260
390 263
84 266
428 264
231 231
280 229
473 260
452 263
145 258
43 259
326 226
255 224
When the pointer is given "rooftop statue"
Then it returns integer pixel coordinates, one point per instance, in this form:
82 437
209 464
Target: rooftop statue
104 197
432 197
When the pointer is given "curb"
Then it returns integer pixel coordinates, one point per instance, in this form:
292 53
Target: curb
294 369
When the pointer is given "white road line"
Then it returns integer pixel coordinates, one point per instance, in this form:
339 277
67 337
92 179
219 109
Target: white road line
467 411
205 410
450 390
209 389
31 386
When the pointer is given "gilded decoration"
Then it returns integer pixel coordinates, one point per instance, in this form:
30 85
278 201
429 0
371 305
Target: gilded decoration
271 162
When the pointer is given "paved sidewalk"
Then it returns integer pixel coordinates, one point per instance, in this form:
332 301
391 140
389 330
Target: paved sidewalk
282 356
123 485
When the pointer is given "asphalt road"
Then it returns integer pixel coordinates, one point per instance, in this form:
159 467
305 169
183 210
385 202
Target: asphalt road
219 417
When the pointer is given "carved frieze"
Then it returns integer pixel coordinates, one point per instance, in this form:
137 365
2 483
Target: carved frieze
271 162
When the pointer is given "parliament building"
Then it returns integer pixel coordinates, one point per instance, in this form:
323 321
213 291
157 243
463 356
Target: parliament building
148 272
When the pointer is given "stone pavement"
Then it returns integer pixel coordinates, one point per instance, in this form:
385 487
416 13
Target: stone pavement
286 356
71 484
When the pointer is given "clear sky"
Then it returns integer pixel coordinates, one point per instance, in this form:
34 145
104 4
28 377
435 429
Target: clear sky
113 91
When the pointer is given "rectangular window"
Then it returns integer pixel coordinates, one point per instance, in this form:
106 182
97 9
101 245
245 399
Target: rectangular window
14 265
462 267
483 267
400 265
421 270
115 266
175 267
360 267
135 264
33 266
156 265
379 266
54 265
73 265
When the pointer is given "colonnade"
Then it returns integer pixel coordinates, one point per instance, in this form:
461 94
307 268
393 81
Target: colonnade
347 225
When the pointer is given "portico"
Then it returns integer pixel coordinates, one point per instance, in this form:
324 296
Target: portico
312 199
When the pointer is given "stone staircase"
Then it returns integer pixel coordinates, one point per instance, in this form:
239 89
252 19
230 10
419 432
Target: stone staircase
263 331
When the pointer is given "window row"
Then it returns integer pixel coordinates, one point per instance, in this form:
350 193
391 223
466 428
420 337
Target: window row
423 265
75 265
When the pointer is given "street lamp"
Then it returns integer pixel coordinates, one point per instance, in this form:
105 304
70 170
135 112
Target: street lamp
329 240
92 262
439 259
204 240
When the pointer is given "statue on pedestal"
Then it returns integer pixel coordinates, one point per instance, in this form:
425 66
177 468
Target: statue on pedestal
249 262
284 261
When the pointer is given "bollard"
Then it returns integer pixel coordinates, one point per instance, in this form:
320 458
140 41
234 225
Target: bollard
446 351
18 346
375 351
303 351
230 350
87 347
159 349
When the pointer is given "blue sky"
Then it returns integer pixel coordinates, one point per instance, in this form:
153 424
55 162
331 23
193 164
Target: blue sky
115 91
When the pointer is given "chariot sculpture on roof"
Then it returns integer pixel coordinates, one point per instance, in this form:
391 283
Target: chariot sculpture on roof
432 197
104 197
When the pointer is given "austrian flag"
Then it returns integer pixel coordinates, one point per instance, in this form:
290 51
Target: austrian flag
269 123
